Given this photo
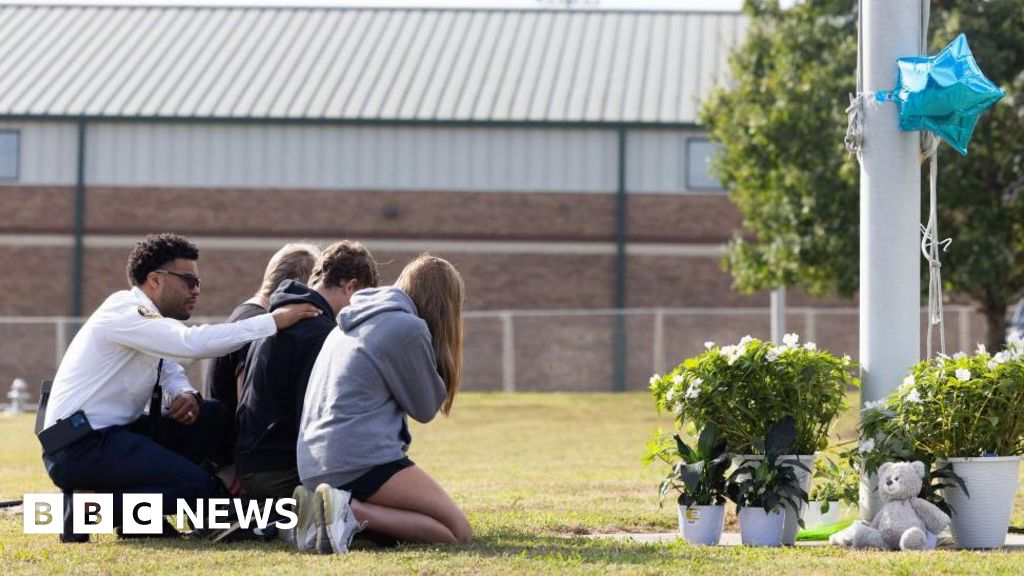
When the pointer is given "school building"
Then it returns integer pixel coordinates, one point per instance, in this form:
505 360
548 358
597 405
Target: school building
553 155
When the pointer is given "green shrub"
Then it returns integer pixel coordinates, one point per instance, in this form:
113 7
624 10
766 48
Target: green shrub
965 405
743 389
834 483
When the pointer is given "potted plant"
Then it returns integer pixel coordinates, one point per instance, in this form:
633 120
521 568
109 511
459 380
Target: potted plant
744 388
766 490
968 411
698 474
833 486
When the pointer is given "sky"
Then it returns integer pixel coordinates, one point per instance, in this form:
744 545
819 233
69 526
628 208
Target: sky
608 4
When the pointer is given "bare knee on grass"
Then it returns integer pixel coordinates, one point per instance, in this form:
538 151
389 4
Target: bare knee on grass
413 490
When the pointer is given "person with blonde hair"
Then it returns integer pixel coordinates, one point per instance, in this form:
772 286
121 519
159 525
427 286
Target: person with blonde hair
397 352
224 377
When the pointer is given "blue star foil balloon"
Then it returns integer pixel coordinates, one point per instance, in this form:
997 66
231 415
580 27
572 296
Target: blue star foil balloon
945 93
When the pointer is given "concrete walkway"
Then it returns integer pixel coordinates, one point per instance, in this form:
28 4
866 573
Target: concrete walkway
1014 542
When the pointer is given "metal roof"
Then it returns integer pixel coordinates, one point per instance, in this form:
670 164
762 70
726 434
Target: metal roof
361 64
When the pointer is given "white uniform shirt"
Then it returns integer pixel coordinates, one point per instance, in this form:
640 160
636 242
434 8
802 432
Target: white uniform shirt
110 368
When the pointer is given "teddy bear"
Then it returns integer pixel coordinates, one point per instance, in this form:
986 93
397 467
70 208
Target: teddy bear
904 519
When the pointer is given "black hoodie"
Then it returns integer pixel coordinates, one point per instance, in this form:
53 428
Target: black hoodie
277 371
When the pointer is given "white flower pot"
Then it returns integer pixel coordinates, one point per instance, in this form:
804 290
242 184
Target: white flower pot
760 529
702 524
814 517
982 520
792 520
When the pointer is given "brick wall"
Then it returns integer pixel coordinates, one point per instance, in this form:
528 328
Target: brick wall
374 214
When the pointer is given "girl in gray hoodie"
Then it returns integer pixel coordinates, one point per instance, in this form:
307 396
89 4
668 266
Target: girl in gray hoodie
397 352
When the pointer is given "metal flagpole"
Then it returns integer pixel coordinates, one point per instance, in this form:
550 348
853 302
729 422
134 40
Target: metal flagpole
890 206
778 313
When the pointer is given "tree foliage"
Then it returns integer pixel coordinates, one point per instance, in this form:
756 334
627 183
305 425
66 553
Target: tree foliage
781 124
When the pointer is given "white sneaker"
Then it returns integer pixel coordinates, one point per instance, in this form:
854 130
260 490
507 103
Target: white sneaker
336 525
303 536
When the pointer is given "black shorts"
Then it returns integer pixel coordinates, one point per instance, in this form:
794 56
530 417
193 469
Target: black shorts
368 484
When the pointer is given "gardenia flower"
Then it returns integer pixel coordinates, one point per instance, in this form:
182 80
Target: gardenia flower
959 355
981 349
1001 357
874 405
709 345
733 353
867 446
908 382
670 396
810 346
677 379
772 355
914 397
694 390
654 380
963 375
791 339
846 358
746 340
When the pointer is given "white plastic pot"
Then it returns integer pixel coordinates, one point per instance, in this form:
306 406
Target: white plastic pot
982 520
702 524
792 520
814 517
760 529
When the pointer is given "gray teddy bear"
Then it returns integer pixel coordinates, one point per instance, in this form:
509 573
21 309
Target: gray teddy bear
904 518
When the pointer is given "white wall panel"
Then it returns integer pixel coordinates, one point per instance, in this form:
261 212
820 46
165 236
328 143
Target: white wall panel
47 153
354 157
656 161
351 157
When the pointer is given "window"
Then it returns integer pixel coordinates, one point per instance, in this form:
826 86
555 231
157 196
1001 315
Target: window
699 155
9 154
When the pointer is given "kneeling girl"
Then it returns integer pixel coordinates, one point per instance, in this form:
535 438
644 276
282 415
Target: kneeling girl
397 352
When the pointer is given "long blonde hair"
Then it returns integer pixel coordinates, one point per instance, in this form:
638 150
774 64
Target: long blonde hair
436 287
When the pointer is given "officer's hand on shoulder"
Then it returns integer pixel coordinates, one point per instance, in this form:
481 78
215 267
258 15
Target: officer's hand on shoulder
286 316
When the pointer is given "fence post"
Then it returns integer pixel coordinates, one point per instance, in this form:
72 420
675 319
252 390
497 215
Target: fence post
508 353
811 326
61 342
965 330
659 341
778 314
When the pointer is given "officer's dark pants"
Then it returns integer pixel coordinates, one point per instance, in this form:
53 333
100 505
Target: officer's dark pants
125 459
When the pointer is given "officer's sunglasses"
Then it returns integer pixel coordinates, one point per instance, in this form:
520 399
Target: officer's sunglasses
191 281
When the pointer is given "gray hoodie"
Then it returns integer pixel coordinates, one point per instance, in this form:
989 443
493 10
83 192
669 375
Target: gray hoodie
375 369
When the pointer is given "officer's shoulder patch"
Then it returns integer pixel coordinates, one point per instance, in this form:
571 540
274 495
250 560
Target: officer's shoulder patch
147 312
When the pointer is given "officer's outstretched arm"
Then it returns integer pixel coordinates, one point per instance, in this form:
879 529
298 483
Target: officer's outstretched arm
168 338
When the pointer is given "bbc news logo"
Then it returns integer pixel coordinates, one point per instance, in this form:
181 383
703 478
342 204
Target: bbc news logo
144 513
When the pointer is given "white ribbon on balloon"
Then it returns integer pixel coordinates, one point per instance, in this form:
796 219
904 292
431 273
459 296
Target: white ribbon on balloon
931 246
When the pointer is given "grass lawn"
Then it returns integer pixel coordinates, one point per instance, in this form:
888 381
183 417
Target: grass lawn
534 472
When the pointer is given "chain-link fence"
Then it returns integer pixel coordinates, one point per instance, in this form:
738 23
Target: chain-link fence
544 350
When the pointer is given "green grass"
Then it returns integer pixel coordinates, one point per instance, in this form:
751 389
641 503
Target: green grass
534 472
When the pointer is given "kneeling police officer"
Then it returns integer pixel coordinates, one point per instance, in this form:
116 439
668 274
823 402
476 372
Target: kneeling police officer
124 357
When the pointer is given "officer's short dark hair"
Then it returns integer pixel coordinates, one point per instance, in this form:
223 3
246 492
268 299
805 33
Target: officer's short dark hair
344 261
154 251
